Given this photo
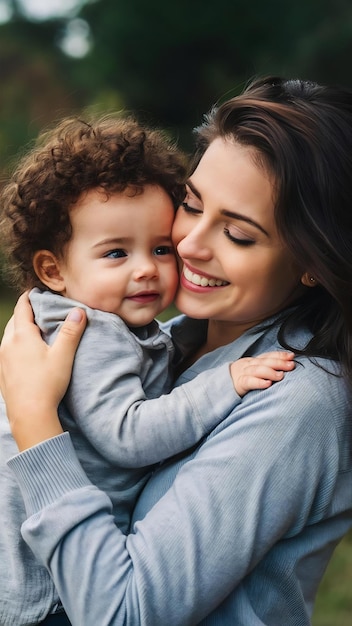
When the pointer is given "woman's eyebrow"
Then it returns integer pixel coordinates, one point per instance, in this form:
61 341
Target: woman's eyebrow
244 218
193 189
230 214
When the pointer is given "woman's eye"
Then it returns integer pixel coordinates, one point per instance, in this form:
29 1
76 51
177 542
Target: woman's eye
189 209
115 254
160 250
238 240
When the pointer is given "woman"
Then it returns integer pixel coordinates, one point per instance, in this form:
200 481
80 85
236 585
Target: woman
240 529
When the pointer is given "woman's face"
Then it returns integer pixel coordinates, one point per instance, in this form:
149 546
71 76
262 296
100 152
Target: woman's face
234 268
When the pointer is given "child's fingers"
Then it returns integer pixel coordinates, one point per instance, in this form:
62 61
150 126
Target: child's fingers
265 372
260 372
282 355
249 383
271 360
261 375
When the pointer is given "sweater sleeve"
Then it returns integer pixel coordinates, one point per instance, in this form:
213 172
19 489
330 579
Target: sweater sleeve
107 400
253 482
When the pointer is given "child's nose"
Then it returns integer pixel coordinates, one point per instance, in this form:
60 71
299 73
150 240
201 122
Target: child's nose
146 268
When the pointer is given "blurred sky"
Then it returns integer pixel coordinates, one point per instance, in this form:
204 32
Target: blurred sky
75 41
43 9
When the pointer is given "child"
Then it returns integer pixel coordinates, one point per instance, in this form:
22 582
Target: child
87 221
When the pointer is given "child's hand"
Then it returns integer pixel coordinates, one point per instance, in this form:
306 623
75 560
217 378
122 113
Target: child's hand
261 371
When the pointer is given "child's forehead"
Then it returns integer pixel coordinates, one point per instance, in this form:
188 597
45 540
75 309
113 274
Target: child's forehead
121 214
103 194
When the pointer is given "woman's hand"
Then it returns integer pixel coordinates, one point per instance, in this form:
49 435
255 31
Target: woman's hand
34 376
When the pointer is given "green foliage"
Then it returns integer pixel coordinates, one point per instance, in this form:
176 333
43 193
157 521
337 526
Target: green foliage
169 61
334 601
7 302
34 87
174 60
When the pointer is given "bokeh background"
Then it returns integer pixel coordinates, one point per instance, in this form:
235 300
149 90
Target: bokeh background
169 61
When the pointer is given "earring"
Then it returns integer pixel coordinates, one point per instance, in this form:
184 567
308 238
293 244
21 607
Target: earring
312 280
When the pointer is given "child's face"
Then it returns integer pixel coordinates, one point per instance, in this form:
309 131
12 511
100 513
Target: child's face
120 258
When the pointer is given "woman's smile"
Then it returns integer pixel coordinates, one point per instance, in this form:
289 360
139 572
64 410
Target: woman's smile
200 279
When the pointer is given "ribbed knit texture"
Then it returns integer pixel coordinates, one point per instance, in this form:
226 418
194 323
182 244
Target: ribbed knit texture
236 533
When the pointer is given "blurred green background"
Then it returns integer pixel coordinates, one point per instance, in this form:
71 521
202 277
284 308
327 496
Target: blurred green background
169 62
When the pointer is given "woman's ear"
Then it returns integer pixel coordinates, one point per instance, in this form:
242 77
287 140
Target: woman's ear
308 280
47 267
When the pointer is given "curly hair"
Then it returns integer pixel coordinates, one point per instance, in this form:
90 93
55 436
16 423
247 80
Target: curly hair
112 153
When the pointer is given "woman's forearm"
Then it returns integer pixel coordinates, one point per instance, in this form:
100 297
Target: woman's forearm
40 426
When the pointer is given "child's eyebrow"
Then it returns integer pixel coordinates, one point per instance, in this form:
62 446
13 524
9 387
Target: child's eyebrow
113 241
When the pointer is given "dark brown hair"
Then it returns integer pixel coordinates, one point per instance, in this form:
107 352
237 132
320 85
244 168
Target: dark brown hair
301 133
113 153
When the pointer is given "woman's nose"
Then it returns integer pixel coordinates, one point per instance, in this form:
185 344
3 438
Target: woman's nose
195 245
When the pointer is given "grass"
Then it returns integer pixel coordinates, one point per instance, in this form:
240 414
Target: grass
334 600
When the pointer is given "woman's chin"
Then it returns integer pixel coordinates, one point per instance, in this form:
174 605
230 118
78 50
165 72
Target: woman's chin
189 306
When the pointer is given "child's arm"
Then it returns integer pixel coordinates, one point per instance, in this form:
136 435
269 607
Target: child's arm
112 409
107 400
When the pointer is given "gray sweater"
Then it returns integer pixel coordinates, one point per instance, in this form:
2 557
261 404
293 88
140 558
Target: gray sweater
120 428
237 532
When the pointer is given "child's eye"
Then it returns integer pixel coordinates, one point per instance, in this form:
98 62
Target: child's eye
115 254
160 250
237 240
189 209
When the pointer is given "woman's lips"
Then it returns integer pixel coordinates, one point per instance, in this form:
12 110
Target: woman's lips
199 280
